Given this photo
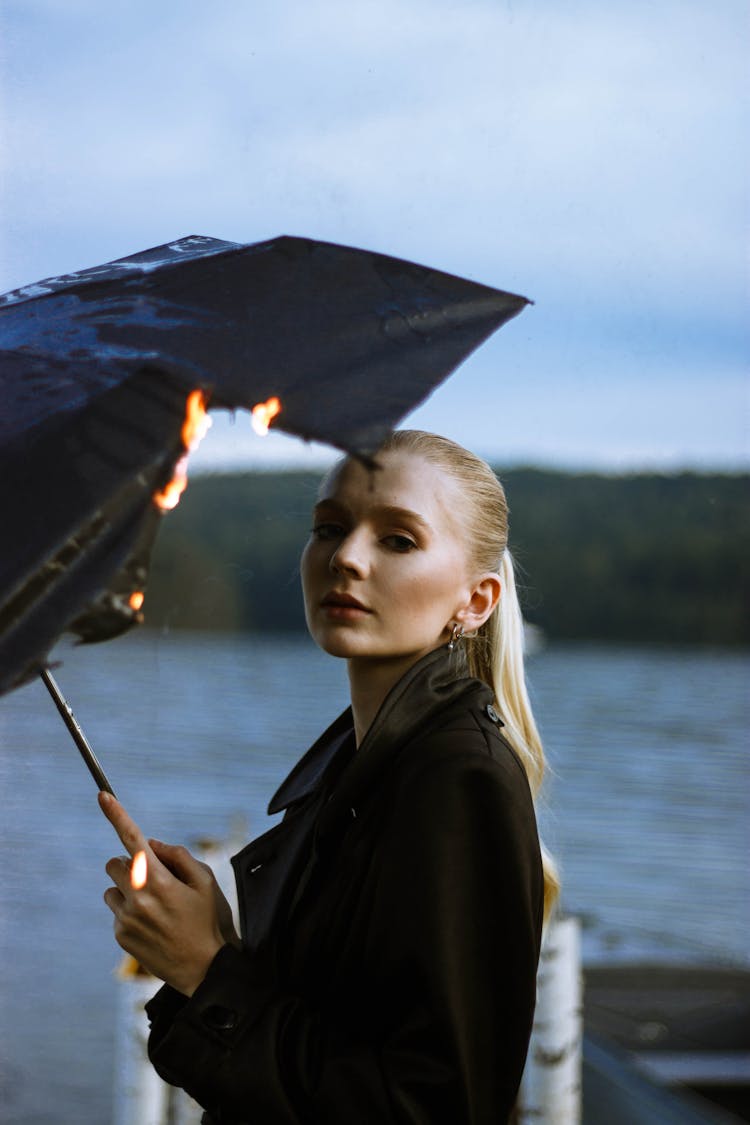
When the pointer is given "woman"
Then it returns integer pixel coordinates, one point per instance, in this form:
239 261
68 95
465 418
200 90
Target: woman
391 921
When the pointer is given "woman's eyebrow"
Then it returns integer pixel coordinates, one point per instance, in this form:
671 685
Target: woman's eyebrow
403 515
328 505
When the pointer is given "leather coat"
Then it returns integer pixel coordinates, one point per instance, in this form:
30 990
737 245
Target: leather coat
391 925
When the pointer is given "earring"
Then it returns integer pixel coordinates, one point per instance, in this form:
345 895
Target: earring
456 634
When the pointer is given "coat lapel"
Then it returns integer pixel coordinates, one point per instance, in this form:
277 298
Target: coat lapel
306 776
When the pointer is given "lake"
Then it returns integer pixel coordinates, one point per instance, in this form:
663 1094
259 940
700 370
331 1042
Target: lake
647 809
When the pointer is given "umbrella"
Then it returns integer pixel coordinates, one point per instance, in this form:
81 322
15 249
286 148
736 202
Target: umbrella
102 371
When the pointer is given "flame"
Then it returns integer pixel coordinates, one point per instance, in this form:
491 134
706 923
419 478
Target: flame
170 495
139 871
263 414
197 422
135 601
194 428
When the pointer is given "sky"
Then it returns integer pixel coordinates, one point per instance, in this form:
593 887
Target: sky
593 157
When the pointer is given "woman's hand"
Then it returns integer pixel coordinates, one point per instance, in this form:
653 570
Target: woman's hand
183 865
176 923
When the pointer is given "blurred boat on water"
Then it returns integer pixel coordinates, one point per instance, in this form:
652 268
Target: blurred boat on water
534 639
666 1044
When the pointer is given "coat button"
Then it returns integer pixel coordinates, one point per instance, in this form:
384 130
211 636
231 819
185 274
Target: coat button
219 1018
493 715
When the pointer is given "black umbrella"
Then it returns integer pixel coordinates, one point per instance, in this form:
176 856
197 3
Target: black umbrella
97 369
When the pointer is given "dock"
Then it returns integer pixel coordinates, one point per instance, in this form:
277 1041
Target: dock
666 1044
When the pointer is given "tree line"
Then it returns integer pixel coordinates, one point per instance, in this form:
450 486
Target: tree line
643 557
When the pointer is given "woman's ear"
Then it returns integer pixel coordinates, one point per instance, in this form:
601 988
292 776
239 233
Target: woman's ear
484 597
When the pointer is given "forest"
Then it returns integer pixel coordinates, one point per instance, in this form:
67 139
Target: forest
643 557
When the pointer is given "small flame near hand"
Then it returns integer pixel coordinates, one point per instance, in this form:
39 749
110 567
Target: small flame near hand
139 871
263 414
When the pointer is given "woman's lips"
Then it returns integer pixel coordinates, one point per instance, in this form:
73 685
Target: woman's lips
343 606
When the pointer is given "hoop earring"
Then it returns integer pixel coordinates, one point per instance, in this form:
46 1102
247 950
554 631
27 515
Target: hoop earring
456 634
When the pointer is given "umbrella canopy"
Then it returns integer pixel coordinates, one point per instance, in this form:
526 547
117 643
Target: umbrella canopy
98 368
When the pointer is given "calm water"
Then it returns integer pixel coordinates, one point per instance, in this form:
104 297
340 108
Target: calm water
647 810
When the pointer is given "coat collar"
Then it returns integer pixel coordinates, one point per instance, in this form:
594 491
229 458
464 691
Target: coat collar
423 691
310 769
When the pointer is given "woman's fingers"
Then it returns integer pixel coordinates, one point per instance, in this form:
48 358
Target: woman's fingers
118 869
124 825
114 900
181 863
199 876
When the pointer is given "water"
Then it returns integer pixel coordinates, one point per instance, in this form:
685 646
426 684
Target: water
647 812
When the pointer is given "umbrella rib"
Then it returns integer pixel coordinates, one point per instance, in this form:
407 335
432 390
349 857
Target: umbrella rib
52 570
56 568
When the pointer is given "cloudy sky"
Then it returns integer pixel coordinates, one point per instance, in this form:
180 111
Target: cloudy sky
592 156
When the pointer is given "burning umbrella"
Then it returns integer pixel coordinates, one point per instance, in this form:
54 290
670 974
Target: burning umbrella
107 375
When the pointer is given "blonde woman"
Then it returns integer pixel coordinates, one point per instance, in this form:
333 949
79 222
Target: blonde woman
391 921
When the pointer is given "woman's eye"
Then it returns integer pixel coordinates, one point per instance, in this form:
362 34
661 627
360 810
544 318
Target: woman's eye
400 543
326 531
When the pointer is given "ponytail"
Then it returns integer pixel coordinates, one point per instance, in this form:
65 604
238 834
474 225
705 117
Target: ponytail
495 656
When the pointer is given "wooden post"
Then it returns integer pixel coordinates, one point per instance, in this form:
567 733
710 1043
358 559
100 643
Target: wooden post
551 1086
140 1095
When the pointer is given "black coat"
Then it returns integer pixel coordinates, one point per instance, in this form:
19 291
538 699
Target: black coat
391 926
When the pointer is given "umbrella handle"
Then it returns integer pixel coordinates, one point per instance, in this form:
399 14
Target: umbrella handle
77 734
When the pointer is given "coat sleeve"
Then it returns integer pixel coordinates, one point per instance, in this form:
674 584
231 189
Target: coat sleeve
454 905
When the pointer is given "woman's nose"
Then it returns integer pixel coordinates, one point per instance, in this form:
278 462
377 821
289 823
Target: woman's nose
350 555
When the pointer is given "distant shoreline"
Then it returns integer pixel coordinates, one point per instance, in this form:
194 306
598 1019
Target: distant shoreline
636 558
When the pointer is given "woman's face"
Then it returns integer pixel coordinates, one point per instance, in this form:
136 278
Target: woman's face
385 569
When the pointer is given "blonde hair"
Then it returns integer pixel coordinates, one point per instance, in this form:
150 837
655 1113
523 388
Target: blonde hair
495 653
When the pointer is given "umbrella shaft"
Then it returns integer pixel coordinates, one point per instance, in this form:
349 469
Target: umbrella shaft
77 734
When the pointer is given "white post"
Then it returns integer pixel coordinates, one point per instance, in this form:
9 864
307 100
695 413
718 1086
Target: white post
140 1096
551 1086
